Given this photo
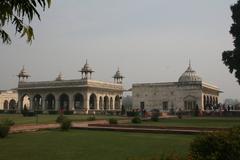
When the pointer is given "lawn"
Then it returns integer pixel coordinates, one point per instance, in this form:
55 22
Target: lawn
206 122
90 145
42 118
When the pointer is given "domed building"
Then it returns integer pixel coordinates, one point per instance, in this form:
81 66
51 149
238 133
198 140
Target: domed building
187 94
82 95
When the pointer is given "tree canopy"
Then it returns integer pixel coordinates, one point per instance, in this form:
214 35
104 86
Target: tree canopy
232 58
20 14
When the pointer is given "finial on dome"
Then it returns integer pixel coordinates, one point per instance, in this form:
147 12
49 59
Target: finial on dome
189 64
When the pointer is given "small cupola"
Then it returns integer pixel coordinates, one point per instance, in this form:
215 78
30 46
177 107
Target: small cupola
23 75
86 71
118 77
59 77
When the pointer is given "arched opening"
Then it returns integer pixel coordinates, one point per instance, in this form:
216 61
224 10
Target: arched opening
208 102
117 102
37 102
78 101
5 105
214 101
111 103
93 101
64 102
12 104
204 102
25 102
190 103
106 103
50 102
101 103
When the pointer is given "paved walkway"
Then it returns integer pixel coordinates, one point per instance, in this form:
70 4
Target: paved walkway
34 127
103 125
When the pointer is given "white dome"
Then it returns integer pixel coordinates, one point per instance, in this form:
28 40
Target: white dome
189 76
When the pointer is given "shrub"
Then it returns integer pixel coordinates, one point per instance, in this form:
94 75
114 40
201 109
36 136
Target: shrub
66 124
155 115
60 118
91 118
5 127
136 120
113 121
1 111
8 122
222 145
52 112
180 114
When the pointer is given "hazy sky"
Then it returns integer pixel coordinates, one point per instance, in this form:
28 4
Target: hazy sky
150 40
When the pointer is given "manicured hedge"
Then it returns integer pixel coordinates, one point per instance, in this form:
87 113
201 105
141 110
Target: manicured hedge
68 112
11 111
53 112
28 113
132 114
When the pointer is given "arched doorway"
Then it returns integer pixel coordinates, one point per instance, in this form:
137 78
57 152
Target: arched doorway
25 102
50 102
208 102
64 102
106 103
111 103
93 101
78 101
12 104
37 102
204 102
101 103
117 102
5 105
190 103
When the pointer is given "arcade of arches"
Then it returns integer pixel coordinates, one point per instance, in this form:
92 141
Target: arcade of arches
8 100
209 101
71 101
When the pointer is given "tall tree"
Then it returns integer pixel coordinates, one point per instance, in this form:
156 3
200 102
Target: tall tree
232 58
20 14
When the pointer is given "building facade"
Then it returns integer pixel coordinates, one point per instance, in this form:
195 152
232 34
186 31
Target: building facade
8 100
80 95
186 94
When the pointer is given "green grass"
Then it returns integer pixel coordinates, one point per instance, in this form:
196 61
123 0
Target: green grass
206 122
90 145
43 119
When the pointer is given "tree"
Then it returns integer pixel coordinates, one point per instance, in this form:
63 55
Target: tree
20 13
232 58
221 145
